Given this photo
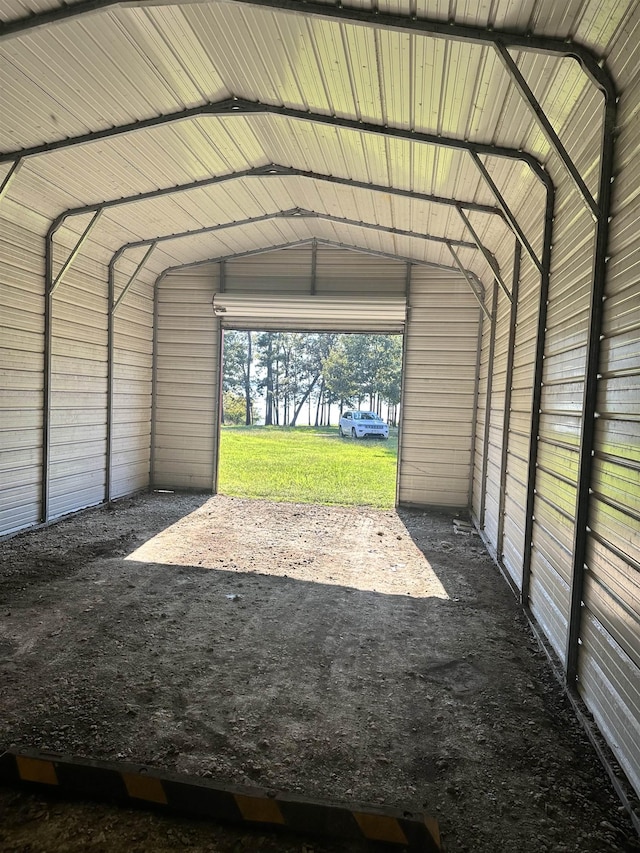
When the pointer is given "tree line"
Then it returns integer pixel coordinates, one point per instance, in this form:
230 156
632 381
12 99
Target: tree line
291 369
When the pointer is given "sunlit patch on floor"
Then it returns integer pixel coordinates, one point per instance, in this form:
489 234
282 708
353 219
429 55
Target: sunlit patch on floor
365 550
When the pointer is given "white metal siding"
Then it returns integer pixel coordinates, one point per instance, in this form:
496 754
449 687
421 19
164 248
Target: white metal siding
480 415
609 664
186 380
496 420
283 271
132 367
343 290
520 421
354 273
78 389
561 406
438 390
21 365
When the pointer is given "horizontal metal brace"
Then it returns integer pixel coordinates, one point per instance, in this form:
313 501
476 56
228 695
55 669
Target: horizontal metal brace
512 220
10 177
489 258
75 251
133 277
545 125
239 106
588 61
470 282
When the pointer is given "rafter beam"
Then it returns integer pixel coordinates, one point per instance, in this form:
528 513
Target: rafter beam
273 170
307 241
470 282
134 275
437 29
294 213
545 125
506 209
9 178
75 251
242 107
489 258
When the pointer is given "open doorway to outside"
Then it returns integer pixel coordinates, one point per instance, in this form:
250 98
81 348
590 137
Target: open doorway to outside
310 417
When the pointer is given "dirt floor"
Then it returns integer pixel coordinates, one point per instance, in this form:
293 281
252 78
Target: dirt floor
344 653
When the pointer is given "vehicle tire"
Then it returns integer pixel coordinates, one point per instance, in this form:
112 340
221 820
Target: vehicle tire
353 432
340 433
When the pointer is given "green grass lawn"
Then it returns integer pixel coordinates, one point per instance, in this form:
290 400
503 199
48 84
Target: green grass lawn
307 465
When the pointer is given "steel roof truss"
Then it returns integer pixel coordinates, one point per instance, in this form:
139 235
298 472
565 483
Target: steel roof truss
294 213
489 258
305 242
470 282
545 126
510 216
437 29
277 171
9 178
133 277
243 107
82 239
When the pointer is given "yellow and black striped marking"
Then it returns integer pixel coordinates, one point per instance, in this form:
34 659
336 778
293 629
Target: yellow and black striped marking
205 798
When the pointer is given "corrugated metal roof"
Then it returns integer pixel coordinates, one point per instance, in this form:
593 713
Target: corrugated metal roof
131 63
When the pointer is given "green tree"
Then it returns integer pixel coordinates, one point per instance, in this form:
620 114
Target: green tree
234 407
237 364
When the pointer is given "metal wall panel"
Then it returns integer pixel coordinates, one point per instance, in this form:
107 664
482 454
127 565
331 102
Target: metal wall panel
562 398
186 384
520 422
609 661
341 271
480 416
21 366
496 418
284 271
439 384
132 385
78 389
327 272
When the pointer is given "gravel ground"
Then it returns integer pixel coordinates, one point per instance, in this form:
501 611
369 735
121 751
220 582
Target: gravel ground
343 653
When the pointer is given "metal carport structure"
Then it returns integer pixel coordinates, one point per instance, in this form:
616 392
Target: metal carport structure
497 141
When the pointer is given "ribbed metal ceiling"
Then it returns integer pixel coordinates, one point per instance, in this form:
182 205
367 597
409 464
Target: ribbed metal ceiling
127 64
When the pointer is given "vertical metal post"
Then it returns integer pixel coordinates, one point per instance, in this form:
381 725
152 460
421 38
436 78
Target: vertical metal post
154 383
110 380
476 397
506 421
537 394
314 265
217 408
488 404
590 390
47 366
407 326
222 286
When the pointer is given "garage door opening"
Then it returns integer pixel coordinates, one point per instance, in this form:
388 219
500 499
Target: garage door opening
310 417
